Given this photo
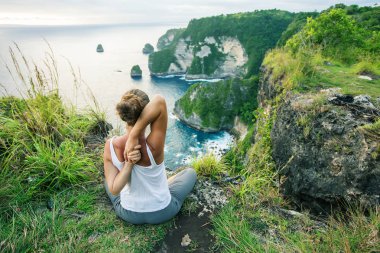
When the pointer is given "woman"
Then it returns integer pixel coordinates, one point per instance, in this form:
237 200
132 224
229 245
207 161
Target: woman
134 169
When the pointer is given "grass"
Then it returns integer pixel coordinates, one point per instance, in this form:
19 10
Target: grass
81 221
344 77
258 229
52 196
208 166
256 218
307 71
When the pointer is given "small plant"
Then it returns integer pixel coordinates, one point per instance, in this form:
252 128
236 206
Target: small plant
366 66
189 206
208 165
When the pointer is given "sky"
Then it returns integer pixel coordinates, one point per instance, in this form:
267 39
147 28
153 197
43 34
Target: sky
78 12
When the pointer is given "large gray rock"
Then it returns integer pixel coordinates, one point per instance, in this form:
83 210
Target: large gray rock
324 155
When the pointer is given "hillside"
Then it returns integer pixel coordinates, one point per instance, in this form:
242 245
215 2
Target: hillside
220 46
314 147
212 107
306 178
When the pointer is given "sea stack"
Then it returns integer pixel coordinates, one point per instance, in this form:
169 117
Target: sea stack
148 49
136 72
100 49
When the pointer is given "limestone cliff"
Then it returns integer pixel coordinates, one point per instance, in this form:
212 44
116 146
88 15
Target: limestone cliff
219 47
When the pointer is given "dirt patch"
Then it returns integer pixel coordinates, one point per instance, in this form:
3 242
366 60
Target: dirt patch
197 227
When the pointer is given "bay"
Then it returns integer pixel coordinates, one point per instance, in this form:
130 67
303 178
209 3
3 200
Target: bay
107 75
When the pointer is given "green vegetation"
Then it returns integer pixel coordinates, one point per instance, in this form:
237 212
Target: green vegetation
148 49
257 219
160 61
136 71
258 31
212 101
206 65
208 166
52 196
167 40
258 229
295 26
51 192
340 35
235 157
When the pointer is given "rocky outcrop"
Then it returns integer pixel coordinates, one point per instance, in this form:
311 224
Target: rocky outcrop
148 49
99 48
219 47
183 58
324 151
212 107
240 128
219 57
136 71
167 39
231 59
193 120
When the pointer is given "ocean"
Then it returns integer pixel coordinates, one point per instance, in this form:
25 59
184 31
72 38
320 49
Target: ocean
107 76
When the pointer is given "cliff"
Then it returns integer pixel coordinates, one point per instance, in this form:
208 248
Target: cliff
220 46
317 123
212 107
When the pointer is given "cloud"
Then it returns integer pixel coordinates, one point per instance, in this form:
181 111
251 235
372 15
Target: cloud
142 11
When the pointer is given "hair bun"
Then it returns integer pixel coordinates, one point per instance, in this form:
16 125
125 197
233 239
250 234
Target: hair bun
131 105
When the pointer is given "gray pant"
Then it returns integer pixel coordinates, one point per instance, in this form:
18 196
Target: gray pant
179 188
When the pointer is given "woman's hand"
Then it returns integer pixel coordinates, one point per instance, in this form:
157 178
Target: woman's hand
131 145
134 156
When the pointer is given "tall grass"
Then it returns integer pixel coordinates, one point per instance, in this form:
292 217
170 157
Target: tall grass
267 230
52 198
208 166
251 221
42 140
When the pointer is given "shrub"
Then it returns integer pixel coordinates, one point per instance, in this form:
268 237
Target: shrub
208 165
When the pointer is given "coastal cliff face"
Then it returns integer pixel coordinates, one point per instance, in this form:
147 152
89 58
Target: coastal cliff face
229 55
324 143
167 39
219 47
317 121
325 151
213 107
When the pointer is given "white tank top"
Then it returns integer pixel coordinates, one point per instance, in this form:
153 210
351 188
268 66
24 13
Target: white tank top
148 190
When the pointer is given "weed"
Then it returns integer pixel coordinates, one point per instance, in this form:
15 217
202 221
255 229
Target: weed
208 166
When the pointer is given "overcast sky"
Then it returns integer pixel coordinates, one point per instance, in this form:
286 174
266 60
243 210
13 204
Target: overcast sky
67 12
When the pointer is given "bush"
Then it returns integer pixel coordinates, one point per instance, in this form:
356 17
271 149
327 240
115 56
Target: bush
50 167
208 166
339 34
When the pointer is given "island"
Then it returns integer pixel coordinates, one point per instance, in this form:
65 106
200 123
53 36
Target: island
148 49
136 71
99 48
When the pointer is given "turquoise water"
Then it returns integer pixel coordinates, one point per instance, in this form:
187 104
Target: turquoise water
107 76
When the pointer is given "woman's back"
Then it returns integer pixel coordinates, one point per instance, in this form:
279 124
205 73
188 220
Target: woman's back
145 194
148 189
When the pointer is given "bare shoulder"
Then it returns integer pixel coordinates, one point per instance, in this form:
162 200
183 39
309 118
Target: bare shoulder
158 98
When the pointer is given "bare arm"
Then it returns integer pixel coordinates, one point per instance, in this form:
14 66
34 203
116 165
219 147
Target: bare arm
116 180
154 114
